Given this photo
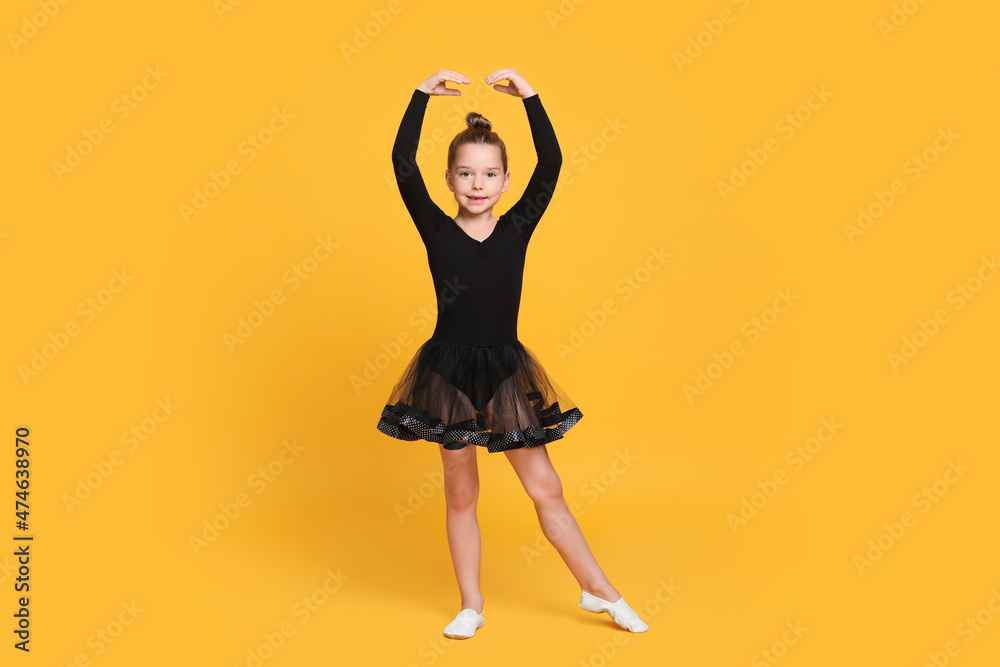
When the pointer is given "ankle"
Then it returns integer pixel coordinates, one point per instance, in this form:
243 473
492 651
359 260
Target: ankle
604 592
475 605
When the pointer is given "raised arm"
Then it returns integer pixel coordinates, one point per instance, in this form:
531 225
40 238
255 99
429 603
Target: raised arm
425 213
525 214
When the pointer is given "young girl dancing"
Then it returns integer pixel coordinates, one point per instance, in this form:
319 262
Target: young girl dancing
473 382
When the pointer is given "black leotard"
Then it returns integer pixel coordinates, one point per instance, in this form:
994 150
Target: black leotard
478 283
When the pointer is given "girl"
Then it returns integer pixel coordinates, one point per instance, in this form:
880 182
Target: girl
473 382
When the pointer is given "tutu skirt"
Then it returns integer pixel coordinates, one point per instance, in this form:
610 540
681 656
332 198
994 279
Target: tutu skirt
498 397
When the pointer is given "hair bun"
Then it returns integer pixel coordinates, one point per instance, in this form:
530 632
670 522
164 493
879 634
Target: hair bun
473 119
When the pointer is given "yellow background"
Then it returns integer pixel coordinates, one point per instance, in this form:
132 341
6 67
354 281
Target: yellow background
324 175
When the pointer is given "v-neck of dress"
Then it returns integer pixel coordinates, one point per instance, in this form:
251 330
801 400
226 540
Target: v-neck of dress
466 234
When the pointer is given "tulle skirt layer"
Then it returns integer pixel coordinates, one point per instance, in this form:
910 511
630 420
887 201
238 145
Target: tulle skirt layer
498 397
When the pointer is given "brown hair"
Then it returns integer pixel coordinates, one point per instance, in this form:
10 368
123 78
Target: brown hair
479 131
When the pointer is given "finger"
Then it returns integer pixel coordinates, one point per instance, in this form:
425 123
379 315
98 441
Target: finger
497 75
456 77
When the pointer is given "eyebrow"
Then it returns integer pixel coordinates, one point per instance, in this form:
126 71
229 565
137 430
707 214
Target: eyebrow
465 166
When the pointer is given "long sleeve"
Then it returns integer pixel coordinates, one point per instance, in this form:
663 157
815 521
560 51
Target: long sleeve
426 215
528 210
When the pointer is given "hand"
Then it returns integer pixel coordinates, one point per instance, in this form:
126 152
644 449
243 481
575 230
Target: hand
435 83
516 86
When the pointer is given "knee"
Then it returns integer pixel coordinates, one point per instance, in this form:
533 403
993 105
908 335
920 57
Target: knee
545 490
461 494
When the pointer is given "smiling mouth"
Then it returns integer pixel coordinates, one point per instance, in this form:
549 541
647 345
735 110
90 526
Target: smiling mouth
477 199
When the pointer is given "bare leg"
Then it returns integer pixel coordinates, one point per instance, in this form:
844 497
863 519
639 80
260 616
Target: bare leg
461 492
540 480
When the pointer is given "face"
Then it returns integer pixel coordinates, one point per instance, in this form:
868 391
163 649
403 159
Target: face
477 179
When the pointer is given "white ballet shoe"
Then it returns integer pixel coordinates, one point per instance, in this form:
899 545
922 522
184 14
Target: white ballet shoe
465 624
619 611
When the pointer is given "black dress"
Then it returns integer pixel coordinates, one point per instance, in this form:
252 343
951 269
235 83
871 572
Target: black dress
473 381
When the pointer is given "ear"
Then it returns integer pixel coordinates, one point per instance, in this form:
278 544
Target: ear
447 180
506 182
